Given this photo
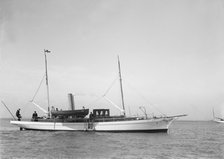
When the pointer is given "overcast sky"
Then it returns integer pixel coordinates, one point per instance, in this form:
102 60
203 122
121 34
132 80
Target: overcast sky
171 53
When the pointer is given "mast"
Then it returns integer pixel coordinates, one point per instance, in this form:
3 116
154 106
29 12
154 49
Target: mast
213 113
122 95
47 85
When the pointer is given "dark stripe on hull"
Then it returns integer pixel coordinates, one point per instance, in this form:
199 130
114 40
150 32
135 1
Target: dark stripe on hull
52 130
113 131
136 131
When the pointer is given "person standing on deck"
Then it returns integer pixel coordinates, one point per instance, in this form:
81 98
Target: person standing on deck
18 114
35 116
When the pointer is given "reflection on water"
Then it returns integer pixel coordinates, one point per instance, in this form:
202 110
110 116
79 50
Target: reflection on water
184 140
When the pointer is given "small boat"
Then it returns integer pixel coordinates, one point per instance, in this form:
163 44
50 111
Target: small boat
99 120
217 119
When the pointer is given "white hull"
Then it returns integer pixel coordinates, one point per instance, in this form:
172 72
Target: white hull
218 121
56 126
147 125
135 125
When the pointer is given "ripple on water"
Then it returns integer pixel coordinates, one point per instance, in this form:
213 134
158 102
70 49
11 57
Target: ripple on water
184 140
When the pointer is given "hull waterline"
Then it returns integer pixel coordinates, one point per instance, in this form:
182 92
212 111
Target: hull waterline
147 125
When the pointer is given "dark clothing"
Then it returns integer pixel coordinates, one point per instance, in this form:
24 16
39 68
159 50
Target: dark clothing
18 114
35 116
91 117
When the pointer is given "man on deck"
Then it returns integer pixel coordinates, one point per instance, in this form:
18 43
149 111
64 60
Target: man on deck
18 114
35 116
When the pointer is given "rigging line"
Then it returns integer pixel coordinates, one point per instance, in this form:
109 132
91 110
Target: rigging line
110 87
46 112
115 105
100 97
8 110
38 88
145 98
94 101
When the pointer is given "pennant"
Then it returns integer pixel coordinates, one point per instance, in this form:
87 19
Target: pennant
47 51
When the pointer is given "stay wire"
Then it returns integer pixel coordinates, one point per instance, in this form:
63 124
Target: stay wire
38 88
143 97
109 88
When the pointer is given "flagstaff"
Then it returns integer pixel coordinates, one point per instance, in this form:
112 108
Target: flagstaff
48 98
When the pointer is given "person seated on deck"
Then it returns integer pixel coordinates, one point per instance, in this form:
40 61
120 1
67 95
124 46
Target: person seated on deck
35 116
18 114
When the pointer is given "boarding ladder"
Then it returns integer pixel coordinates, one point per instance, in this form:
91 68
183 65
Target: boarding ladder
90 125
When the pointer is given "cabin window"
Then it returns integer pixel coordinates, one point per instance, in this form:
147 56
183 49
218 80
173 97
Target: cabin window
101 112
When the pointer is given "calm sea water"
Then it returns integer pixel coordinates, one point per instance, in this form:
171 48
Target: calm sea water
184 140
